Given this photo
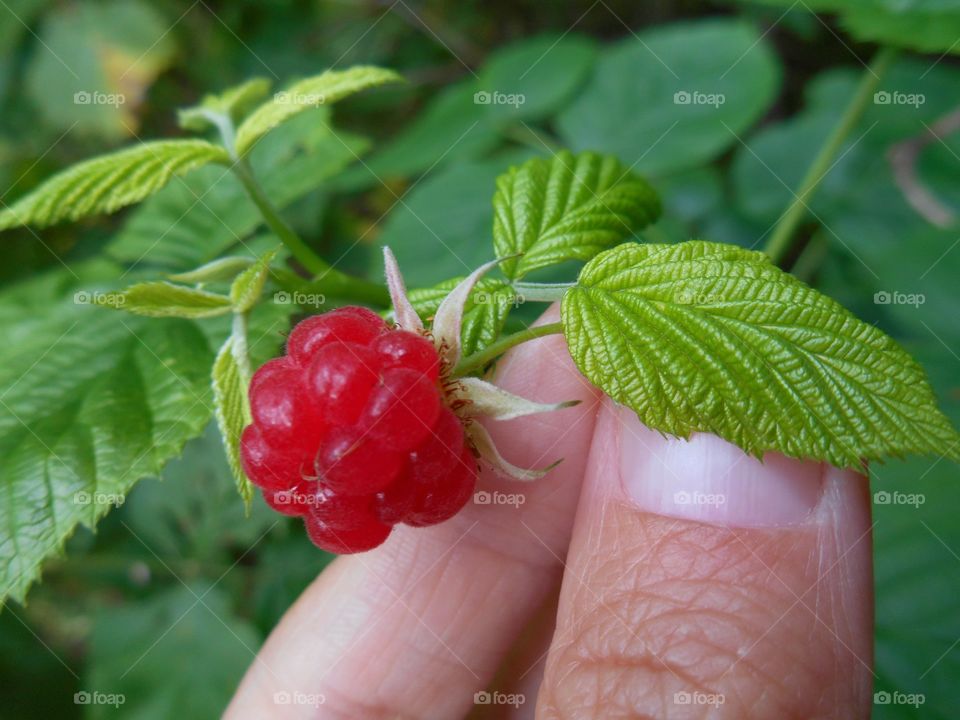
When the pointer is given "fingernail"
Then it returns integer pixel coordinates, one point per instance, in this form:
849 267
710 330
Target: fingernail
710 480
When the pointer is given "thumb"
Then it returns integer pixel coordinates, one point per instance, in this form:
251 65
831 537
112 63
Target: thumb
701 581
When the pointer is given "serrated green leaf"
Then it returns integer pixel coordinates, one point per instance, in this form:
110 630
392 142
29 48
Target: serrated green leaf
160 299
109 182
484 315
323 89
231 378
246 289
222 269
93 402
230 103
704 337
567 208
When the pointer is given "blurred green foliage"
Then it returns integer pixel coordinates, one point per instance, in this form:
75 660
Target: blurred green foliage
414 166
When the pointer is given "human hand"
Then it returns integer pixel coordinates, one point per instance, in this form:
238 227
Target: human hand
643 577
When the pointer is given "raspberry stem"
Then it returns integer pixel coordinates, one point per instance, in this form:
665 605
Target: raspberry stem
481 358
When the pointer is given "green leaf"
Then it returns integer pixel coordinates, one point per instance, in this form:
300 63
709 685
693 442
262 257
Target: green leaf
246 289
231 378
94 401
160 299
323 89
484 315
567 208
231 103
219 270
674 96
704 337
109 182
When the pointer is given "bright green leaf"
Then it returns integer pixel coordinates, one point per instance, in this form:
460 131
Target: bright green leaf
484 315
230 103
567 208
231 378
109 182
323 89
94 401
246 289
704 337
161 299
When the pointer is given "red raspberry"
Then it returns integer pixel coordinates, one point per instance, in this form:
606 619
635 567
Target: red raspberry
351 432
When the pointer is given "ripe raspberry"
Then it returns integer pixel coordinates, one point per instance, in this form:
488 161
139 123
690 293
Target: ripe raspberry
350 431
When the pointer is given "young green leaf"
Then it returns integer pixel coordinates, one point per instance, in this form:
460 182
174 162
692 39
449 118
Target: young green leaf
484 315
230 103
246 289
567 208
109 182
161 299
323 89
705 337
220 270
231 378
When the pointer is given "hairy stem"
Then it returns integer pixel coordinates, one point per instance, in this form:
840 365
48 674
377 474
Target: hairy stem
483 357
780 240
297 247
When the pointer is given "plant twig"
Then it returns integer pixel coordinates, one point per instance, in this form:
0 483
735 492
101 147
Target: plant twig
482 357
781 239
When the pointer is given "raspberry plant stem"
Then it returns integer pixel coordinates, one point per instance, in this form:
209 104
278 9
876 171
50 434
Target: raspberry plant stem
483 357
541 292
781 240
